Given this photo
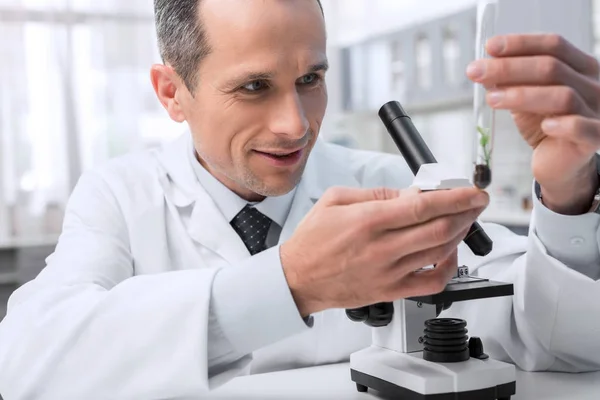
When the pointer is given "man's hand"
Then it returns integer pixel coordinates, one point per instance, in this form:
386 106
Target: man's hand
553 92
361 246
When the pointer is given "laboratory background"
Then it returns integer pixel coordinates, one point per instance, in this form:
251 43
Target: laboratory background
75 92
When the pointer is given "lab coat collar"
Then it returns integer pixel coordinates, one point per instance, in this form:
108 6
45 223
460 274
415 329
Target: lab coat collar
208 226
176 173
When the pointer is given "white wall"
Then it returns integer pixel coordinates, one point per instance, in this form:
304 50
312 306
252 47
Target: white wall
353 20
359 19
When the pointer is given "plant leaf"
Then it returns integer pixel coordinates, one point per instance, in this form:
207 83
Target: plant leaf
484 141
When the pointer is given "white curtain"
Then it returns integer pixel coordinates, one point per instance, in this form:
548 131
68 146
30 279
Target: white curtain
74 92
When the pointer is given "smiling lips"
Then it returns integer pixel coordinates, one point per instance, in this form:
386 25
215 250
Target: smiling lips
282 158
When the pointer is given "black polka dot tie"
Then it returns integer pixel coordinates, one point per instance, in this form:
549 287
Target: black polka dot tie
252 226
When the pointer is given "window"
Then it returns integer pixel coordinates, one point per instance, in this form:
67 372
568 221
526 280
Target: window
74 94
596 26
451 57
397 69
423 58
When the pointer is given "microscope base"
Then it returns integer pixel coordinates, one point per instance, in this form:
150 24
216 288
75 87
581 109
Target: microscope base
407 376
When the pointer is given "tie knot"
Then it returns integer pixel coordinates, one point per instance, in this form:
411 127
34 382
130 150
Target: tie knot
252 226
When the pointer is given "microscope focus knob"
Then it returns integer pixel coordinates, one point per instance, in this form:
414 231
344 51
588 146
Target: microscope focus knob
358 314
375 315
380 315
476 348
445 340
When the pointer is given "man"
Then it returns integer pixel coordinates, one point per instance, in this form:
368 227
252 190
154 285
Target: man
231 251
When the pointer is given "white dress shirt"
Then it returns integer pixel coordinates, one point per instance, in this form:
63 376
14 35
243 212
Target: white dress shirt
572 239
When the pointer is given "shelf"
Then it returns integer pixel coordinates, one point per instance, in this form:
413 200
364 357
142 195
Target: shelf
8 278
17 243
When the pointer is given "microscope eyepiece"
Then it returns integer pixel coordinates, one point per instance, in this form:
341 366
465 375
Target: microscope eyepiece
405 136
390 111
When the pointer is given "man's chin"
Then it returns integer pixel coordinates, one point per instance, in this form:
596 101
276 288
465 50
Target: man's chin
276 185
276 188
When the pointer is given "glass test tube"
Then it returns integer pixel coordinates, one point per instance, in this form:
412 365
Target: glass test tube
485 118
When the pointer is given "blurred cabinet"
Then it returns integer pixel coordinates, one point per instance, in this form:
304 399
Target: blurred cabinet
20 262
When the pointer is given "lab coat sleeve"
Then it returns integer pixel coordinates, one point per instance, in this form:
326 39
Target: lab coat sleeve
88 328
251 307
551 322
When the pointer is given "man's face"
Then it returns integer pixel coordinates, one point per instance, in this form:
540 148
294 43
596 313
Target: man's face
261 95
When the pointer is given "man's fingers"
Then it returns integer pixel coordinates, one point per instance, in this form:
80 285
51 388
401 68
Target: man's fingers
540 100
447 230
432 281
429 256
540 70
417 209
341 196
582 131
518 45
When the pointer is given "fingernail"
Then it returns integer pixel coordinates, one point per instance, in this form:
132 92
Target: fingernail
495 46
495 97
480 200
476 70
549 124
413 190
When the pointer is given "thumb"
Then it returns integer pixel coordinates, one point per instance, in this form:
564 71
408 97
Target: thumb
448 267
343 196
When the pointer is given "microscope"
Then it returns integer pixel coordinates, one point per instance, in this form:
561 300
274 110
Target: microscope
415 355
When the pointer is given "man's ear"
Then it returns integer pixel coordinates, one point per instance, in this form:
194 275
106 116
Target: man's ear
166 84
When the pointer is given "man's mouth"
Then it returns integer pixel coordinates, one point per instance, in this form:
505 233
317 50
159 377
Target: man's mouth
282 157
281 153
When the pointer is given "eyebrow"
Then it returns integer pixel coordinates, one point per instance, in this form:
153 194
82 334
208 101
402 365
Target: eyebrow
321 66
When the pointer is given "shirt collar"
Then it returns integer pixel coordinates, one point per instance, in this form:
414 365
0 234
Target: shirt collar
230 204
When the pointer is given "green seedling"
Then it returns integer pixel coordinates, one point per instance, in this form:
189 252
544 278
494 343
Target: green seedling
485 143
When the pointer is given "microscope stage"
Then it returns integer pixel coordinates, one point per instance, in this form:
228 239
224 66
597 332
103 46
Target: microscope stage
467 289
408 377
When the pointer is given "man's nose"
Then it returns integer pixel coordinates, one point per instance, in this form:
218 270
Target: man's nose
289 118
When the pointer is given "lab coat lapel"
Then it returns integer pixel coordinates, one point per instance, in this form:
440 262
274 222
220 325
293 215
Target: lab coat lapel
207 225
301 205
322 171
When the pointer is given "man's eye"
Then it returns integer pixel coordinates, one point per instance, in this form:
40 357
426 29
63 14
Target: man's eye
309 79
255 86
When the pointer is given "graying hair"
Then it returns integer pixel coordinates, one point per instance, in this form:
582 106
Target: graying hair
182 41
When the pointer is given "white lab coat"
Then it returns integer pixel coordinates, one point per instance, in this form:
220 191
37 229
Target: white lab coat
122 309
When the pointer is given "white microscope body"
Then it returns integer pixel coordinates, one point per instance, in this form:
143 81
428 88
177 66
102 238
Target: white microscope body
410 360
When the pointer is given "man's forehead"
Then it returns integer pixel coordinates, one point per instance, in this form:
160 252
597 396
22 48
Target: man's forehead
257 39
